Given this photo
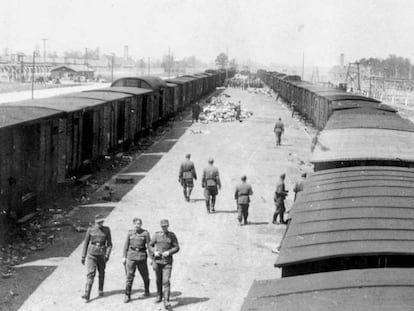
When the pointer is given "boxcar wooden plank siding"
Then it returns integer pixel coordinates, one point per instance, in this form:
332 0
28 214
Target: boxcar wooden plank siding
356 290
351 217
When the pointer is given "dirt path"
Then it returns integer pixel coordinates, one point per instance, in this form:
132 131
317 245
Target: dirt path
218 260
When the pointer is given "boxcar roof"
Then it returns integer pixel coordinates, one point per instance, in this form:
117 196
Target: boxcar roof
123 89
351 290
368 118
351 104
345 212
96 94
171 84
338 95
12 115
67 104
177 81
347 144
154 82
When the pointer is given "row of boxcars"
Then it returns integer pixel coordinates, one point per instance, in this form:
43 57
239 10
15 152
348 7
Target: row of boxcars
350 241
46 141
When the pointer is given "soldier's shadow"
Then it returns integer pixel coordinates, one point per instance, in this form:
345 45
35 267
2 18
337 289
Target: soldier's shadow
197 200
116 292
225 212
178 301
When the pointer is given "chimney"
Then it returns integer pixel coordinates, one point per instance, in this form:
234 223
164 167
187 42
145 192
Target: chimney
125 52
342 60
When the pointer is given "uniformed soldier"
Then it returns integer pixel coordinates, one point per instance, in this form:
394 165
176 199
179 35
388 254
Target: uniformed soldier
186 175
299 185
135 256
96 249
279 130
242 196
163 245
279 198
196 108
211 183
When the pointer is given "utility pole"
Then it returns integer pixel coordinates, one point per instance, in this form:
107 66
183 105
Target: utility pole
44 49
112 68
227 64
169 62
303 64
33 73
149 65
86 56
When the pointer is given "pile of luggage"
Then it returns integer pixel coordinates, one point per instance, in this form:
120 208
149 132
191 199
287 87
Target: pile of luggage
221 109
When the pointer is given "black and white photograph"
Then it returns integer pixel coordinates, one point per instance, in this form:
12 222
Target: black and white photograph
207 155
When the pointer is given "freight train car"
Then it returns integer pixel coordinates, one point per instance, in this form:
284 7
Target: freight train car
353 290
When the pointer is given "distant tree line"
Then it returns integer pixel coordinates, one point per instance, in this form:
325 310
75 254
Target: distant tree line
393 67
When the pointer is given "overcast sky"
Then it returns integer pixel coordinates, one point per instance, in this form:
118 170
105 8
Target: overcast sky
265 31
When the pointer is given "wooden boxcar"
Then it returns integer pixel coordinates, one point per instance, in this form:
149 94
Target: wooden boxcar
157 85
32 159
351 218
369 136
353 290
140 109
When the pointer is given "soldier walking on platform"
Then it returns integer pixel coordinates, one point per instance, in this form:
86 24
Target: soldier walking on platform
135 257
279 198
242 196
211 183
196 108
279 130
299 186
96 249
163 245
186 175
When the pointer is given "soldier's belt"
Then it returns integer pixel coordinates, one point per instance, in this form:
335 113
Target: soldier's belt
137 249
98 243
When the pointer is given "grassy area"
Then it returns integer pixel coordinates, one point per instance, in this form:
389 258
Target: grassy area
18 87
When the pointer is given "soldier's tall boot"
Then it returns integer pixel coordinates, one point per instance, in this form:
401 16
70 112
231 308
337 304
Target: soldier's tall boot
128 288
101 285
87 293
159 292
166 299
208 205
146 288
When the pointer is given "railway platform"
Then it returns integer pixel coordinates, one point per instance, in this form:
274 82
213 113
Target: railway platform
218 260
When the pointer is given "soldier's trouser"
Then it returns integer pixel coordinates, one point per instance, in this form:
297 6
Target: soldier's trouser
281 214
131 266
242 212
278 137
163 275
92 264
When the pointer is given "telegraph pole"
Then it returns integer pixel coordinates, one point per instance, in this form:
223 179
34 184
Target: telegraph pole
112 68
303 64
227 64
149 65
33 73
44 49
86 56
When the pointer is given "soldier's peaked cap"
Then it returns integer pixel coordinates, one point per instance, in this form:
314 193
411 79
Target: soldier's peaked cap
99 218
164 222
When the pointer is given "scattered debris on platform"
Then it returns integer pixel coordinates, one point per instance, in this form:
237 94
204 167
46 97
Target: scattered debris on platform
222 109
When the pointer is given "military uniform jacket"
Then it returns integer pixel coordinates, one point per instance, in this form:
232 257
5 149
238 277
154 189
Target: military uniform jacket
211 177
164 242
279 127
98 241
280 192
187 170
243 193
135 247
